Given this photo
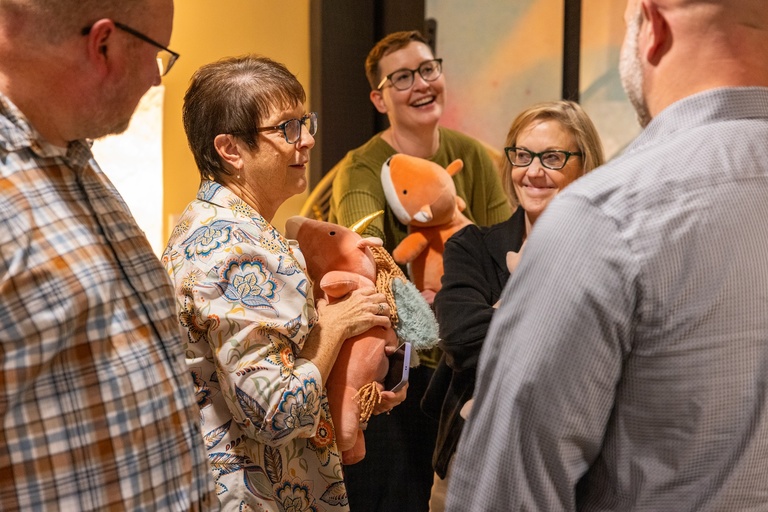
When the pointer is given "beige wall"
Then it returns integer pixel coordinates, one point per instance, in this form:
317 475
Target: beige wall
205 31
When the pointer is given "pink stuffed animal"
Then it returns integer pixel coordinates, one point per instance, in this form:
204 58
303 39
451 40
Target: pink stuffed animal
340 261
422 195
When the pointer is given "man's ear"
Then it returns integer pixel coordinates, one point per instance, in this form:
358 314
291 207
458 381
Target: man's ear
656 35
228 149
377 98
98 43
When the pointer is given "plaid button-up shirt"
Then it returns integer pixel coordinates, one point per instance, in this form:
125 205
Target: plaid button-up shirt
96 405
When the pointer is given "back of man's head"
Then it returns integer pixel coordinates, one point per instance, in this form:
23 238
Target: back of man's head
82 44
51 21
689 46
729 16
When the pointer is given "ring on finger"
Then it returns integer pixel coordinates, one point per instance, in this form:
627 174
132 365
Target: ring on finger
381 308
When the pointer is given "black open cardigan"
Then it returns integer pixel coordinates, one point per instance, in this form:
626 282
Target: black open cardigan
475 275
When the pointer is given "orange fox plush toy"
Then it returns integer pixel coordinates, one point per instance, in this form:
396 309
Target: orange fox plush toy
422 195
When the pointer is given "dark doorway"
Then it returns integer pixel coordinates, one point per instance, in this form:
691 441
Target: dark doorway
342 32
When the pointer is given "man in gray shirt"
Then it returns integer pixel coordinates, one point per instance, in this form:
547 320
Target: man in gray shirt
627 366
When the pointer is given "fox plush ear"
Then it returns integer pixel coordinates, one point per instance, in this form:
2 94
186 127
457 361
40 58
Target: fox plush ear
454 167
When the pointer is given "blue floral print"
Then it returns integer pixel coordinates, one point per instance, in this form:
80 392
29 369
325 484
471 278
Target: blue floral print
249 282
207 239
244 301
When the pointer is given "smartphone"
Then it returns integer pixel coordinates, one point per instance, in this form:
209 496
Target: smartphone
399 364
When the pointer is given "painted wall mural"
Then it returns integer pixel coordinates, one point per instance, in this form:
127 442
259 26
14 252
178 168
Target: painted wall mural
500 57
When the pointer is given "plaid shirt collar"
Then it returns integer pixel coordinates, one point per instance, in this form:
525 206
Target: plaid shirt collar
16 134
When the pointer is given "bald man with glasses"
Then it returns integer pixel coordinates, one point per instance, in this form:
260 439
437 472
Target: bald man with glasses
97 409
626 368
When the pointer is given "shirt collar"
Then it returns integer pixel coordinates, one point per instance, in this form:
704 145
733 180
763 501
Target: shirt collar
16 134
214 193
219 195
727 103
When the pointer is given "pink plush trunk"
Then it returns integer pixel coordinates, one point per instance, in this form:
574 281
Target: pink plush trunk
361 360
357 453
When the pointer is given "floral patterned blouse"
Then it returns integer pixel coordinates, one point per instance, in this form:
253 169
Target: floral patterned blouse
243 300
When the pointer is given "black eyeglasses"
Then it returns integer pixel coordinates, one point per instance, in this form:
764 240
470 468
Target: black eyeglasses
165 56
555 159
292 127
402 79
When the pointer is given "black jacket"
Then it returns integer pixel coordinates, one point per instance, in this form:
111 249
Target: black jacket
475 275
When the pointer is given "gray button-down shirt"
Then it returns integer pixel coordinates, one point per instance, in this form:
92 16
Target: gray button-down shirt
627 367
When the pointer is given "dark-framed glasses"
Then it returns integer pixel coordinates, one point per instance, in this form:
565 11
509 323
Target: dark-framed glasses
402 79
554 159
166 57
292 128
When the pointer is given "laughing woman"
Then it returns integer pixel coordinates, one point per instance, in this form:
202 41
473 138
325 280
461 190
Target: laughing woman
258 348
408 85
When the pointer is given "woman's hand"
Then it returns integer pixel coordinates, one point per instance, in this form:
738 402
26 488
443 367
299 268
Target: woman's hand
357 312
389 399
513 258
354 314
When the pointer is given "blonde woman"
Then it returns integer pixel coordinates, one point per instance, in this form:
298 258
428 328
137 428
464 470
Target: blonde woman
549 145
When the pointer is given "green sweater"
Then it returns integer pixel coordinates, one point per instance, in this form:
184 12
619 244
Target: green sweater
357 189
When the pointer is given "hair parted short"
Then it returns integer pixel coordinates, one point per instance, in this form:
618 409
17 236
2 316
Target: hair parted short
573 118
391 43
234 96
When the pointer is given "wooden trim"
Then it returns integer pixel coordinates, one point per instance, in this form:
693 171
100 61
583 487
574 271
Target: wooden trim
571 49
